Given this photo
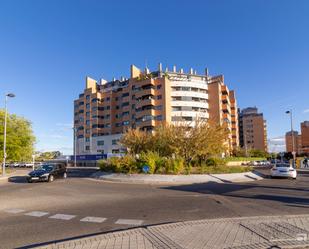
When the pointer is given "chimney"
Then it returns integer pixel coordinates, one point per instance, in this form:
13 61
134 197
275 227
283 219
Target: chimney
114 79
121 78
160 67
181 70
191 70
147 71
206 71
174 69
166 69
195 72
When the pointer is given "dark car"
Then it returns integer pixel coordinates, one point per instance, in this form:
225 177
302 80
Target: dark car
48 172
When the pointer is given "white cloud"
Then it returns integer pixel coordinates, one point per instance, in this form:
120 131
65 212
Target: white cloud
306 111
276 144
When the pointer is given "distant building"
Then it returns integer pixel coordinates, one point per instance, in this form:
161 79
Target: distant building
289 142
301 141
252 129
305 136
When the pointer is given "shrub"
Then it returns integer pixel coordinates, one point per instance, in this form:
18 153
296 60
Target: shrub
125 164
215 161
153 160
174 165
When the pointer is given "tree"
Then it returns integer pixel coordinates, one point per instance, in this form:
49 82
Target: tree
201 141
49 155
19 138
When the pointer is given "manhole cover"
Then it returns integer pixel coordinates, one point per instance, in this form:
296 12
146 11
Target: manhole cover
276 231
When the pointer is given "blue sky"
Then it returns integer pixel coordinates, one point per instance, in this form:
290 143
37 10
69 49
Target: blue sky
48 47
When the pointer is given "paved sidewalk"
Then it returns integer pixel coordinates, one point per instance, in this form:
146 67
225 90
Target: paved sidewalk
233 233
178 179
22 172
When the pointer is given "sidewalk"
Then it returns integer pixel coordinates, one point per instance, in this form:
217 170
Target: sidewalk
22 172
234 233
178 179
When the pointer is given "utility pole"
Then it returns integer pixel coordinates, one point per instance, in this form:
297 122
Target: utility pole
11 95
74 134
292 133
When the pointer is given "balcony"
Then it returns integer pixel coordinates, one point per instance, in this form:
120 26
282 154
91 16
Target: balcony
144 102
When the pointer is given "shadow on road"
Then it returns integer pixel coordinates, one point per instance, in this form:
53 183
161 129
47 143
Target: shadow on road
261 191
18 179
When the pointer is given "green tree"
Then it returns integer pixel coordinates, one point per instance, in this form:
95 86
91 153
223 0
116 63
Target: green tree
19 139
48 155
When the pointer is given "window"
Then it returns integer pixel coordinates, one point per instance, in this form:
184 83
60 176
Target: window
95 100
125 95
101 108
87 97
125 114
81 111
94 109
159 97
176 108
117 107
100 151
159 117
108 99
87 114
87 147
116 98
117 116
80 136
108 126
100 143
115 141
125 104
81 103
159 107
115 151
94 134
87 139
108 107
87 131
87 122
159 87
118 124
87 106
95 126
126 122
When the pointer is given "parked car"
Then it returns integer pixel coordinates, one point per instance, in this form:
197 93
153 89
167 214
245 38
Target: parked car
28 165
48 172
283 170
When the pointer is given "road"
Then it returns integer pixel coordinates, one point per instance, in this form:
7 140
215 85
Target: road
32 214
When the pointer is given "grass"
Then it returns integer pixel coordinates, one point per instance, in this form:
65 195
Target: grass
233 159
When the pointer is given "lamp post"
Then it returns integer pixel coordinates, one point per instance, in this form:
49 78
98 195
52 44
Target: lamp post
33 161
9 95
292 132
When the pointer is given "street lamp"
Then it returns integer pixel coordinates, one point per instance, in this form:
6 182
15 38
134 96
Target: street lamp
9 95
292 132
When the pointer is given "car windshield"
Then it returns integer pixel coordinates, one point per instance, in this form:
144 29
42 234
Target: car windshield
46 167
283 165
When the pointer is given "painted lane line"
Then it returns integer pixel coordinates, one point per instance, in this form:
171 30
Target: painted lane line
93 219
36 213
62 216
129 222
14 210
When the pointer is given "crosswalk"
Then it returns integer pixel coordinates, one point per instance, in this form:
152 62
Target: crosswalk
68 217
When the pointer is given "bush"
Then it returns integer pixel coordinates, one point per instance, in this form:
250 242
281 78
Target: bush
153 160
215 161
174 165
125 164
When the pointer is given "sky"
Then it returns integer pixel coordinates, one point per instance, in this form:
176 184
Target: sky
47 48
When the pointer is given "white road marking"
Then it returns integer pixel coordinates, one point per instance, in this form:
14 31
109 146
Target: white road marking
14 210
62 216
36 213
129 222
93 219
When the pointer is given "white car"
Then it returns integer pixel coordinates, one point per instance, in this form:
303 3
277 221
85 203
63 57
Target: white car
283 170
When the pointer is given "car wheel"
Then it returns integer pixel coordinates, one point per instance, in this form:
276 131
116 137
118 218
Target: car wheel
29 180
294 178
65 175
51 178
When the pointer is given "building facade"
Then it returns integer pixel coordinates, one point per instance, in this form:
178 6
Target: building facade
289 137
105 110
252 129
304 126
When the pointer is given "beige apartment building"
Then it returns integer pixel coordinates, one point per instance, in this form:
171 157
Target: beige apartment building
105 110
252 129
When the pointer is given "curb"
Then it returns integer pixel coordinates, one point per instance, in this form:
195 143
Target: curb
178 179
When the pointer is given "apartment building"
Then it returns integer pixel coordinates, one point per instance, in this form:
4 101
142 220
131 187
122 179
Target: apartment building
252 129
289 137
105 110
223 108
301 141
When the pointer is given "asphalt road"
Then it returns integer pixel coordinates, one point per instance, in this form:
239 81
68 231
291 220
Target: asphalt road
78 197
